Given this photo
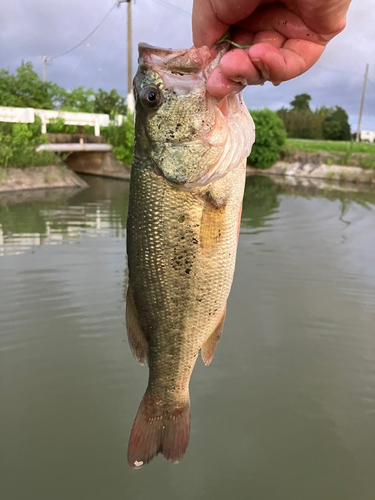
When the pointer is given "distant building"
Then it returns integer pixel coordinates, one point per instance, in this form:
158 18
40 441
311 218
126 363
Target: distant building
367 136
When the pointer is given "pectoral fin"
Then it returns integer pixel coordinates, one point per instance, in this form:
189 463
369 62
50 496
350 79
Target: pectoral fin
210 344
137 339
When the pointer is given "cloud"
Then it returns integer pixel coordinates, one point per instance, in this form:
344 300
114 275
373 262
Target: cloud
30 28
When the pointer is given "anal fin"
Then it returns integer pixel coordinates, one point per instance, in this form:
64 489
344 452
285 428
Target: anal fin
137 339
210 344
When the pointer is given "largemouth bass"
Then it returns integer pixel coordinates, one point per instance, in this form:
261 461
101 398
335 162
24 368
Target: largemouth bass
186 189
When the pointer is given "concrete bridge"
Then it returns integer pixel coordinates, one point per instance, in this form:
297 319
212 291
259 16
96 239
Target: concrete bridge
87 154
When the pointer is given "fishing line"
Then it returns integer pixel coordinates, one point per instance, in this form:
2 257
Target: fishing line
115 36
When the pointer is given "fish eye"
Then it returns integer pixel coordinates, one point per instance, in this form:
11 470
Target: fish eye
151 96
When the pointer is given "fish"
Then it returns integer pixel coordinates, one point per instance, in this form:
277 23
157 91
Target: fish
185 200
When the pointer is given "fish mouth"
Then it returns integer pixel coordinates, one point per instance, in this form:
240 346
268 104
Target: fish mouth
180 62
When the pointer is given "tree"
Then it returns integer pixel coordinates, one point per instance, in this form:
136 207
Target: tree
301 102
322 123
336 125
78 99
110 103
26 90
302 124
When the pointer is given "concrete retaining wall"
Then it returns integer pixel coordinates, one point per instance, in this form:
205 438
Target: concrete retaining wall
52 176
321 171
103 164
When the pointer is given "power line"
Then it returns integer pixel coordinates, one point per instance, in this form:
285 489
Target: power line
163 3
318 65
170 6
337 70
88 36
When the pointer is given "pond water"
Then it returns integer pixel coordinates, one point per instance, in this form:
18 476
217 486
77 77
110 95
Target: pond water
286 411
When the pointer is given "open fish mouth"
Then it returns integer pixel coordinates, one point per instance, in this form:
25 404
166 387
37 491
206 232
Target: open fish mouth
179 62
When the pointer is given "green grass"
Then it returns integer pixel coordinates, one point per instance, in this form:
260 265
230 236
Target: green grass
339 146
367 163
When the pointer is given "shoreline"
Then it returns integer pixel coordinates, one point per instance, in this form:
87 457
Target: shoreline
317 172
32 178
60 176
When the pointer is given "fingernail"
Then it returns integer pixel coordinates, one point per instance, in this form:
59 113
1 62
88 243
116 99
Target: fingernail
262 68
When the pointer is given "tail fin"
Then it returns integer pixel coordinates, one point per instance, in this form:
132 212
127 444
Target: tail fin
158 430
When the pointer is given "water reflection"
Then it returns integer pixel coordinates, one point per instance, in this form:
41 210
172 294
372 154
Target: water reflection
260 201
32 219
286 409
61 217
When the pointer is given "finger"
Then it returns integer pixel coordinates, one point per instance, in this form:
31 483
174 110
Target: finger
282 20
272 37
207 27
219 86
279 65
327 17
211 19
242 36
236 65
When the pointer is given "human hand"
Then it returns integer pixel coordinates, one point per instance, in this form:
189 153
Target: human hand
286 38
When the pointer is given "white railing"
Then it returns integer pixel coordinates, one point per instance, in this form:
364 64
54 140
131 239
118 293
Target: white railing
91 119
27 115
14 115
61 148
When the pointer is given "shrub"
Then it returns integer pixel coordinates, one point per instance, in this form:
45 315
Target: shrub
57 126
270 136
18 142
122 138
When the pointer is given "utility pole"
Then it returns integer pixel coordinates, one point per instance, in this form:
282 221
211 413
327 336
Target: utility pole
362 102
130 97
46 62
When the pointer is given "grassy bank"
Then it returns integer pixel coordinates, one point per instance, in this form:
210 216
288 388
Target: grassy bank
345 153
312 146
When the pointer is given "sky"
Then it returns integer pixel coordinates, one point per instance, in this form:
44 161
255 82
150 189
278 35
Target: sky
32 28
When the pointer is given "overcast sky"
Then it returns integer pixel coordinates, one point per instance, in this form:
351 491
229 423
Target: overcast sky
30 28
